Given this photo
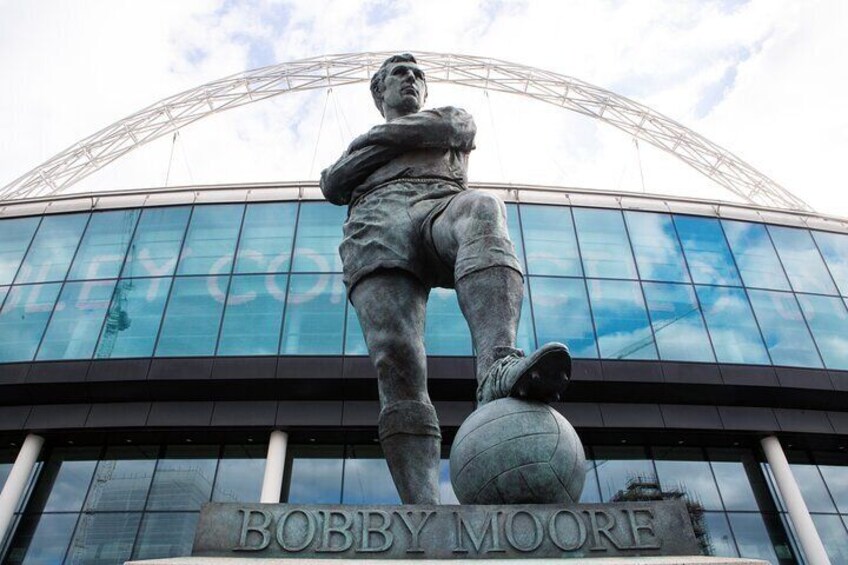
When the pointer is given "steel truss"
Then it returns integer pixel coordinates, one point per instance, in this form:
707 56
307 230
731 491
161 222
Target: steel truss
168 115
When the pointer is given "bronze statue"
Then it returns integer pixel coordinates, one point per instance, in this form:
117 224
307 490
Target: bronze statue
413 224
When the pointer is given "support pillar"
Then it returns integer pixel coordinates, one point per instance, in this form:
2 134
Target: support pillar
275 466
16 484
808 537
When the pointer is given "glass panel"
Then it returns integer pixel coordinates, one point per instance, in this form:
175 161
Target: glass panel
103 539
446 331
755 255
561 311
316 475
734 332
446 494
721 542
787 337
834 248
550 241
23 319
731 469
319 233
53 248
812 488
157 242
211 240
686 469
658 253
41 539
836 478
707 254
677 322
604 244
526 338
266 238
828 321
621 320
191 320
101 253
515 232
752 537
832 532
133 319
617 467
240 472
591 492
122 479
354 338
183 479
801 260
366 477
165 534
64 481
314 315
15 236
76 321
254 315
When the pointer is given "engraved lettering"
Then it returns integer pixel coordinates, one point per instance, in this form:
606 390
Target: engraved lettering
308 532
381 530
261 529
490 523
601 529
415 530
538 533
648 527
554 533
329 529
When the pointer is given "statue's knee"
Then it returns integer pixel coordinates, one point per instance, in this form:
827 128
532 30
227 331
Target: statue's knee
487 207
394 354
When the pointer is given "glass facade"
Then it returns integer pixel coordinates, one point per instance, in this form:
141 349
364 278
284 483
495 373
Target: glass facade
265 279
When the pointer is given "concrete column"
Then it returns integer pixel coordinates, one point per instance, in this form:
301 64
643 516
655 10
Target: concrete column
16 484
275 466
808 537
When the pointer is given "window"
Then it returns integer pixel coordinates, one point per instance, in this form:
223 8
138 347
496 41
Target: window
76 322
828 320
801 260
550 241
253 316
658 253
15 236
211 240
101 253
834 248
446 332
53 248
23 319
734 332
707 254
132 321
156 243
621 320
787 337
677 322
604 244
319 233
755 255
266 238
192 317
561 311
314 320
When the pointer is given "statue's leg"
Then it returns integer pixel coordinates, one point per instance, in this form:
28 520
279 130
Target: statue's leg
390 305
472 233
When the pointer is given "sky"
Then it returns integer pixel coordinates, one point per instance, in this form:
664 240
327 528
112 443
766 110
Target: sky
765 79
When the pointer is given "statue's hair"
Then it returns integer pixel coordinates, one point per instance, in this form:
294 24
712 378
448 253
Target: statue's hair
377 84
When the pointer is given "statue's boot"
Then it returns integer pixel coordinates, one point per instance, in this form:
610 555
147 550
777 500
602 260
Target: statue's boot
412 443
543 375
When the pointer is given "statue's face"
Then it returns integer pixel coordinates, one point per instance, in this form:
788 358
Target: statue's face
404 89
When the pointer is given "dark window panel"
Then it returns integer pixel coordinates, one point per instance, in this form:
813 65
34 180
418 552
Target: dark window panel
801 260
76 322
677 323
753 536
621 320
834 537
561 312
156 243
604 245
253 316
316 475
104 245
446 331
836 479
618 466
755 255
731 468
834 248
686 469
165 534
721 542
314 320
787 337
812 488
828 320
366 477
707 254
550 241
732 326
133 319
122 479
190 326
266 238
64 480
183 478
41 539
23 319
53 248
655 245
319 233
240 473
103 539
210 242
15 237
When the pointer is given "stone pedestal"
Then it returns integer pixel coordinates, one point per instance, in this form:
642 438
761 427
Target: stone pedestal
683 560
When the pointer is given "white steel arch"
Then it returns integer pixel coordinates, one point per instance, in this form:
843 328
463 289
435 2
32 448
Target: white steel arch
97 150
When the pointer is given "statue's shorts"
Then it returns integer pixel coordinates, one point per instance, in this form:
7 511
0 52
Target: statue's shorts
392 228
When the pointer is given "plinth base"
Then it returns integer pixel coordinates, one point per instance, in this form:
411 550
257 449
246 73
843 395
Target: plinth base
678 560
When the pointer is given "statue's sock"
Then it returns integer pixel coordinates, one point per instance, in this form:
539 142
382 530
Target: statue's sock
411 440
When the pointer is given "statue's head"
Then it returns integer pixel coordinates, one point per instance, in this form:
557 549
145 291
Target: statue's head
399 85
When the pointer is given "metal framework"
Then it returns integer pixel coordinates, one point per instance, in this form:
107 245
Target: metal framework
168 115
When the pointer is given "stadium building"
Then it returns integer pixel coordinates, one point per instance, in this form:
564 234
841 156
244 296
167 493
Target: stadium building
165 348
